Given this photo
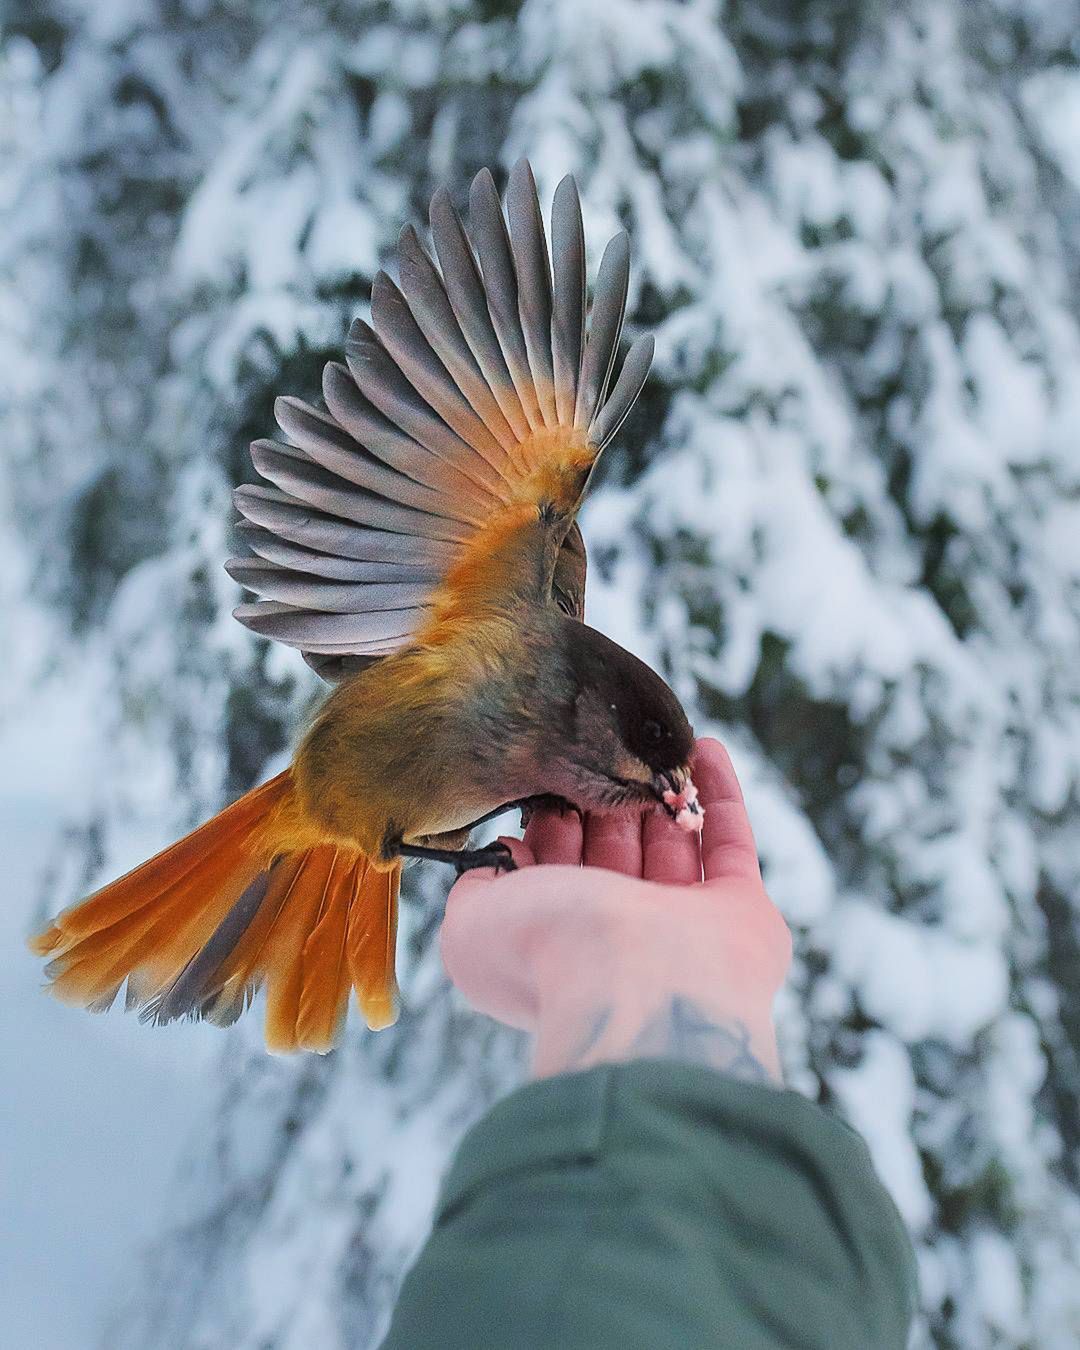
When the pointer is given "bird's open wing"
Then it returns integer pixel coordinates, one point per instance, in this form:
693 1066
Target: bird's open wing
472 407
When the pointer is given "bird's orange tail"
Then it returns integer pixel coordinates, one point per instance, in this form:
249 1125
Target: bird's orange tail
200 927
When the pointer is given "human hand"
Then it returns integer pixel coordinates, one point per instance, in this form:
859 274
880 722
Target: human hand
623 937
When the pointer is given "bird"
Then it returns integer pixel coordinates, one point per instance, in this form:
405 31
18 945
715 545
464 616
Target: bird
416 540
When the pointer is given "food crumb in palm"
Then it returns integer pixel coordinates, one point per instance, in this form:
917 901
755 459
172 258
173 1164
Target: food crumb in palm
687 811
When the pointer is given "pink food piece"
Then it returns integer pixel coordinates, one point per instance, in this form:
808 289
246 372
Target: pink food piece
689 814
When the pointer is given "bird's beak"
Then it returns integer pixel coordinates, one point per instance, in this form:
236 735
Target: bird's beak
677 794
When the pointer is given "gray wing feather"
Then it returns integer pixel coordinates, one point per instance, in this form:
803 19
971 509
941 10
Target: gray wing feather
568 311
435 317
469 302
326 442
605 325
383 383
401 336
307 482
329 632
529 247
271 582
396 449
632 377
488 226
294 558
278 512
354 648
335 667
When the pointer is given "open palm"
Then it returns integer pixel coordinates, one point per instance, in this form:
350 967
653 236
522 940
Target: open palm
621 936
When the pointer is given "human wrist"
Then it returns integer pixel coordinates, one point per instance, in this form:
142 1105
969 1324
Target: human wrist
626 995
678 1027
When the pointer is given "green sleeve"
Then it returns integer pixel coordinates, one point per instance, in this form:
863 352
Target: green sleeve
653 1205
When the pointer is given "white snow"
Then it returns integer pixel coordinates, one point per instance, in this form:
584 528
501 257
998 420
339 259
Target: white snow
919 982
879 1099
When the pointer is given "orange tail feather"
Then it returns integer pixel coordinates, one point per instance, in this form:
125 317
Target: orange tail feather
324 972
370 943
196 930
135 889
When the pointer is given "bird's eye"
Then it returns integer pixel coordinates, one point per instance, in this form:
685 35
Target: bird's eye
652 731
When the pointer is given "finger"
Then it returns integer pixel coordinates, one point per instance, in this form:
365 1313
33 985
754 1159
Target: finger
613 840
521 853
554 836
669 853
477 932
727 841
491 930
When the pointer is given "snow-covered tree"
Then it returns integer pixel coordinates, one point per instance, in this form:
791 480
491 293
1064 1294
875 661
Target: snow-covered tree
844 521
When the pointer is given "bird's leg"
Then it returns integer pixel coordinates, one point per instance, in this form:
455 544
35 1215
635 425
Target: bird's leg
463 860
492 855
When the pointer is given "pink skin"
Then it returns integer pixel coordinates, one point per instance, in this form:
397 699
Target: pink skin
609 923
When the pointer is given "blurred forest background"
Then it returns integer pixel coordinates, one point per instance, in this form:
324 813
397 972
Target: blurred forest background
844 520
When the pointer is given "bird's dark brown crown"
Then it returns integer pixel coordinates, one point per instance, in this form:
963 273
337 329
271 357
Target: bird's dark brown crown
649 718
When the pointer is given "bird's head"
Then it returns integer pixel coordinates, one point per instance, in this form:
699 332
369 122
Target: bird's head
631 741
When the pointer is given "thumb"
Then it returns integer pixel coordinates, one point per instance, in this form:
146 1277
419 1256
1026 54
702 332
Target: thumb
521 853
480 943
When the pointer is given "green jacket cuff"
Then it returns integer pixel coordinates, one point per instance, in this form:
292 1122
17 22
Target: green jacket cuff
661 1204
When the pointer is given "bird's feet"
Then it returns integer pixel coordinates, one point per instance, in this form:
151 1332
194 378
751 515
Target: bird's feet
495 855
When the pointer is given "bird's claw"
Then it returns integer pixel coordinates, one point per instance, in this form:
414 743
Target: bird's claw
552 802
496 855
